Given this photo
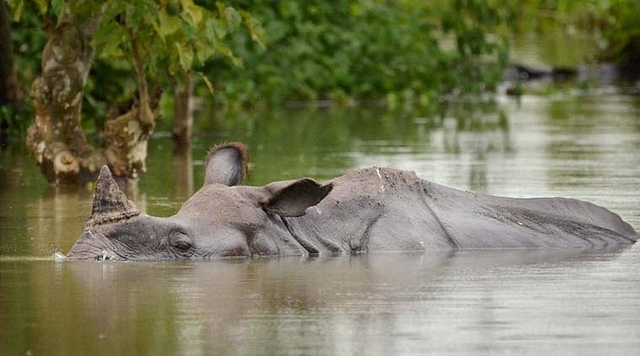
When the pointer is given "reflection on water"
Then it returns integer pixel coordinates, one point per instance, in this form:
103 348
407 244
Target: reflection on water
473 302
559 302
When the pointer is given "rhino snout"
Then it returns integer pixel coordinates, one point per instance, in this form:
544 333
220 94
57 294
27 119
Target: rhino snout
91 247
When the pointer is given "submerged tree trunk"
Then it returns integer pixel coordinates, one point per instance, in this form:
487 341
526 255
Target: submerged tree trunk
56 137
183 114
129 126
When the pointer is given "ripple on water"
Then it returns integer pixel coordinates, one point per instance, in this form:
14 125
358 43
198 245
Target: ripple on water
56 256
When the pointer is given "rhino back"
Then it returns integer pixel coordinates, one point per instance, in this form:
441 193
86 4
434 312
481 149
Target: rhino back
484 221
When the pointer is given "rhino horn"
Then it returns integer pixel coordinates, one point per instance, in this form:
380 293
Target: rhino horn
110 205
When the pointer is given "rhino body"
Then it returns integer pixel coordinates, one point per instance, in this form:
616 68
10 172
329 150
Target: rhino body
368 210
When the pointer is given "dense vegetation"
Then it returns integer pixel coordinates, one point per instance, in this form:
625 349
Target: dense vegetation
273 52
353 49
367 50
313 50
149 45
613 24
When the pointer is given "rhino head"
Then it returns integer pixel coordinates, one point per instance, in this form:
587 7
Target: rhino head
221 219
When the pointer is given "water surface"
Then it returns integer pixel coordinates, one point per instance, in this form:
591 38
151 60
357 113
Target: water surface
476 302
579 145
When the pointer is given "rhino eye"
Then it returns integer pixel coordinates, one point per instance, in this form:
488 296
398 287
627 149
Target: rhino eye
180 241
182 245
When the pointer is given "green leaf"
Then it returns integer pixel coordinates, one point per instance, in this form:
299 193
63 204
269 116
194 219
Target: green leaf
233 17
109 41
194 11
18 9
220 8
43 6
204 51
226 51
215 29
185 57
207 82
57 6
256 31
168 24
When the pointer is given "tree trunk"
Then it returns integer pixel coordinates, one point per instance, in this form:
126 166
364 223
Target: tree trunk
129 126
183 114
183 174
127 135
56 137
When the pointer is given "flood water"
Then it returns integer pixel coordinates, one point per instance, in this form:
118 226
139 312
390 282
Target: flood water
585 146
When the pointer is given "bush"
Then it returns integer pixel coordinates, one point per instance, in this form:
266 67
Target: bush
366 50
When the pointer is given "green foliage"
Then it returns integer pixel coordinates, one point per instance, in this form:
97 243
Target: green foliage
27 42
614 24
170 38
174 35
623 35
480 29
542 16
404 51
367 50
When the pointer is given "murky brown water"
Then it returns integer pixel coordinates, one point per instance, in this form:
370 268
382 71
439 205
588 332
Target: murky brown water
475 302
479 302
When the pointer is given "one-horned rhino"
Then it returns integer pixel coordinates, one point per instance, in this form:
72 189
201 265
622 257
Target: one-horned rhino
367 210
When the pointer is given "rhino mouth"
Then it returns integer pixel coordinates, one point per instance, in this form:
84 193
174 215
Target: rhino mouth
90 247
106 256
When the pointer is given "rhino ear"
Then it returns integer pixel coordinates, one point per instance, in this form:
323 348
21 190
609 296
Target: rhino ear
226 164
110 205
291 199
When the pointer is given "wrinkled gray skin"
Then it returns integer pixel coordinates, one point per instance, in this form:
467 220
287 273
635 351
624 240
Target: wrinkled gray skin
368 210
